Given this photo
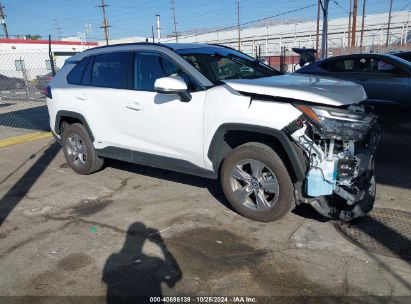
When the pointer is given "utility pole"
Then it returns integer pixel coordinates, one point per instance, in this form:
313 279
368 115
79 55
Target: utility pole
317 44
152 33
324 44
354 23
349 24
238 26
362 23
3 21
105 25
324 41
58 29
389 24
174 19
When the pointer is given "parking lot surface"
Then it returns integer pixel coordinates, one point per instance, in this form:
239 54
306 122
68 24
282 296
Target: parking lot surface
136 230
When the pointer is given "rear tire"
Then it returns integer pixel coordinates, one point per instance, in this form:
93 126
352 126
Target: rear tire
256 182
79 150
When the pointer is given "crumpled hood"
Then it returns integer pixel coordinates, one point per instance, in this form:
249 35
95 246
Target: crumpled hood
303 87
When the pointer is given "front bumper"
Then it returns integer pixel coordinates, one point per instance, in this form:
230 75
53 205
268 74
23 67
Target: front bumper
340 180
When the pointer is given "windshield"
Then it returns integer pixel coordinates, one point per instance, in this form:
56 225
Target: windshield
218 64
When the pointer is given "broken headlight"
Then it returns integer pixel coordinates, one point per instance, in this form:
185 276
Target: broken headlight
341 124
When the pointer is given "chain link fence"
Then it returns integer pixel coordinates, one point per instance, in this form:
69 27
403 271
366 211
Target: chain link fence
23 75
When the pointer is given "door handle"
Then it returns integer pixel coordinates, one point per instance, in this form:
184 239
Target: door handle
362 79
80 97
134 106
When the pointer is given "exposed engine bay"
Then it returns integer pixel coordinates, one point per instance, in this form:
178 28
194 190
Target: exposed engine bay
339 146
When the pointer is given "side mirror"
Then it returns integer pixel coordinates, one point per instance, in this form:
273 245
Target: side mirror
173 85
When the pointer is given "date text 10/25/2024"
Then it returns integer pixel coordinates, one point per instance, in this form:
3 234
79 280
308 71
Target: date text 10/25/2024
203 299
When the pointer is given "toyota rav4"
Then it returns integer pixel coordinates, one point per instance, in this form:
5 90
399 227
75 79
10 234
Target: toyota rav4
273 140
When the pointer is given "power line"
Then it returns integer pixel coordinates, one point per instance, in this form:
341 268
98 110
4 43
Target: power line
105 25
253 21
340 6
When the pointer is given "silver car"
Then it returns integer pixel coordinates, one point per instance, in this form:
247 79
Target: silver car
385 78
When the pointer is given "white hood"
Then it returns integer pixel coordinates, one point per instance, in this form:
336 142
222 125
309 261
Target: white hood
303 87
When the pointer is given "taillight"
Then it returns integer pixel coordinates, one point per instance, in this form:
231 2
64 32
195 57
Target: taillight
47 92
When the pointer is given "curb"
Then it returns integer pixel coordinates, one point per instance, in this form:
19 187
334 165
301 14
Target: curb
23 138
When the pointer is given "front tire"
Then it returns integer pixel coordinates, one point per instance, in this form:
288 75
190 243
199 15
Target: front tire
256 182
79 150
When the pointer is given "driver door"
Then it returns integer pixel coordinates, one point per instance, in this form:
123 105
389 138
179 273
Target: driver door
160 124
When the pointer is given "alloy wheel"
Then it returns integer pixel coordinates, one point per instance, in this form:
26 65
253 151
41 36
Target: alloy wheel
254 184
76 150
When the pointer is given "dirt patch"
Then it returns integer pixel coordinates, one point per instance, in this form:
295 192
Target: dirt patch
89 207
215 257
74 261
43 280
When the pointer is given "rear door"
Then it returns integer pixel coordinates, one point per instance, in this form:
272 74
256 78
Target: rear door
101 96
385 82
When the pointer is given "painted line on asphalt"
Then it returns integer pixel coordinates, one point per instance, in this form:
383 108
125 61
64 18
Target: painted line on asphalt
23 138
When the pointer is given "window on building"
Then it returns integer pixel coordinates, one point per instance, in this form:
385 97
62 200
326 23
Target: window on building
20 66
48 65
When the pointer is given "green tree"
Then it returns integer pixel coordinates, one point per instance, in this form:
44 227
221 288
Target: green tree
33 37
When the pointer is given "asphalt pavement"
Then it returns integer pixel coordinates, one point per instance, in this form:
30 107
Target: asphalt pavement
131 229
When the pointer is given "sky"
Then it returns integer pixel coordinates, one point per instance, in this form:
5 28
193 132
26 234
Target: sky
129 18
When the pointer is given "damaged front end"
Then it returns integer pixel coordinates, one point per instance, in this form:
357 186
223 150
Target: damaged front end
339 147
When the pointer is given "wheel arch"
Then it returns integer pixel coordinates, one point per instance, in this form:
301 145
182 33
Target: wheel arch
229 136
71 117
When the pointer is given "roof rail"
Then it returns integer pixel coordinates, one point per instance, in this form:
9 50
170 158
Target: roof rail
130 44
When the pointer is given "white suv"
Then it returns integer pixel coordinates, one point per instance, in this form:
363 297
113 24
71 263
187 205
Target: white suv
273 140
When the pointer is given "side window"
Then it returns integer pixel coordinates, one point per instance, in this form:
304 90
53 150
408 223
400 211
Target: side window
111 70
148 67
339 66
383 67
76 74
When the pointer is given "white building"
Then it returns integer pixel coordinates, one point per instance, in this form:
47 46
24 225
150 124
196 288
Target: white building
271 38
29 58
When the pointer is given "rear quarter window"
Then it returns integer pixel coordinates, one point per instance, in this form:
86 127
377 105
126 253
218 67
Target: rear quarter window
76 74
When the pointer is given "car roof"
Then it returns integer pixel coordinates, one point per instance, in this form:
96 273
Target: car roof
400 52
170 46
358 55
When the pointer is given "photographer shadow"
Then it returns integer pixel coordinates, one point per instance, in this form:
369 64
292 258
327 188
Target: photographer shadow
133 276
